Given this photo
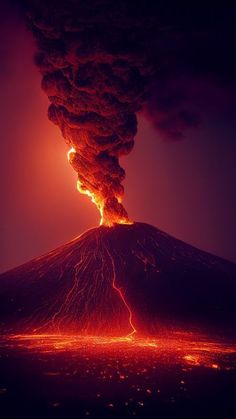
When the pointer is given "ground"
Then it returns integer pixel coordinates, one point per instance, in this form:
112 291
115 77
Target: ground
121 322
183 375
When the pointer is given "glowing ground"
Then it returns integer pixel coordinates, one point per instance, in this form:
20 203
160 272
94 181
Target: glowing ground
130 281
181 375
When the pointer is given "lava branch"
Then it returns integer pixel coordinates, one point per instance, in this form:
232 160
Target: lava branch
127 306
119 291
111 210
78 304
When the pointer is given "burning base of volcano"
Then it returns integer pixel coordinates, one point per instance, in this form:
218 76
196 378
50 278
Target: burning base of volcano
121 281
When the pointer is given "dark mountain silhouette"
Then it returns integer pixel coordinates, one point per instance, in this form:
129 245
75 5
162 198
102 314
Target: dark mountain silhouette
113 280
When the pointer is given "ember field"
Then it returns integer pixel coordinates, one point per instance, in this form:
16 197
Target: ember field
183 375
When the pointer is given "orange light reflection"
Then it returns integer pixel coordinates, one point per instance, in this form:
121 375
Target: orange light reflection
97 200
192 350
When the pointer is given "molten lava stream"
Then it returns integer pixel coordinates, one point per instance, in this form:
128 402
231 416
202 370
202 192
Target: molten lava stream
119 291
133 331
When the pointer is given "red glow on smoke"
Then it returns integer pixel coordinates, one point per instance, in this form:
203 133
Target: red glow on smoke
108 219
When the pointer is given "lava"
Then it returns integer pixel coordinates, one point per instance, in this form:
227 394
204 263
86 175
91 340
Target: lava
119 290
107 261
124 281
192 348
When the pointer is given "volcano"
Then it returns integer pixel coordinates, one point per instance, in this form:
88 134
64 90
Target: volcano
118 281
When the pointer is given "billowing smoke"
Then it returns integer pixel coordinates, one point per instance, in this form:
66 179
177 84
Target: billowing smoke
101 60
94 70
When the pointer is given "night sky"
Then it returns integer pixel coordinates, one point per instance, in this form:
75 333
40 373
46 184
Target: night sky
185 187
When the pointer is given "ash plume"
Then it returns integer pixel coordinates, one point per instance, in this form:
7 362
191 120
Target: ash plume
102 60
95 71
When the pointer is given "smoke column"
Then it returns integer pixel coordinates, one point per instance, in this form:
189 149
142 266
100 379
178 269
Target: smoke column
102 60
94 70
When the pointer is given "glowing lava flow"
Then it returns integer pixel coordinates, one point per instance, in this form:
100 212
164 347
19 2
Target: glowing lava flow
133 330
90 285
128 308
98 201
90 300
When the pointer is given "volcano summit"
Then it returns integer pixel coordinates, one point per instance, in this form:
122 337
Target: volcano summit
120 281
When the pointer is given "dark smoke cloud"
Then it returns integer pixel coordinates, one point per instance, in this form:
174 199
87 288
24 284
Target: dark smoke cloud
170 108
95 72
193 48
102 60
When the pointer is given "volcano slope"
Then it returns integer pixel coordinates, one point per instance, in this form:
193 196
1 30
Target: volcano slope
117 281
